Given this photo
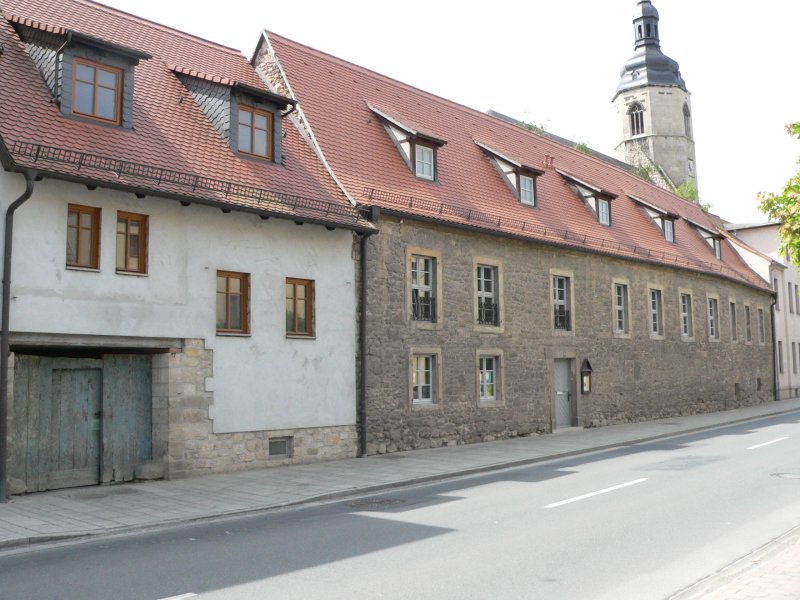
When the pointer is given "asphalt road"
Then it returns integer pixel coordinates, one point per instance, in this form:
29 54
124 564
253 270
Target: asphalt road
637 523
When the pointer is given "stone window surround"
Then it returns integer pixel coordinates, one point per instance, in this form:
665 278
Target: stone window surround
733 318
486 261
717 336
437 378
437 287
650 288
681 293
614 282
570 275
499 382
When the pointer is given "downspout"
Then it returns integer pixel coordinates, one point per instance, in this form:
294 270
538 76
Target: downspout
30 176
775 380
362 341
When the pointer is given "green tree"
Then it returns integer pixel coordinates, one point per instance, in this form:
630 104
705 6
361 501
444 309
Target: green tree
785 208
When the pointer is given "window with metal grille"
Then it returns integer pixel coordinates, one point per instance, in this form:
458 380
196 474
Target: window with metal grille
423 300
561 303
488 308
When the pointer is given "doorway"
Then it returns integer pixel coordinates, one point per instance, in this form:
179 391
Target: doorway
564 401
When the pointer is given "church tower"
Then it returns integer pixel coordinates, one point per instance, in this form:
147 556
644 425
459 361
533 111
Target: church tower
654 107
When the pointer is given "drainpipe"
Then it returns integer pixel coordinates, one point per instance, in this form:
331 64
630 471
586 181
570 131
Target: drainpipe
362 341
30 176
775 380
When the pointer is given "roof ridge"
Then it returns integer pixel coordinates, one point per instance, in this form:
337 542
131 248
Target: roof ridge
159 26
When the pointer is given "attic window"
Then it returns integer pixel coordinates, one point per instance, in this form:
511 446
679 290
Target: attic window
520 178
255 132
714 240
669 229
418 150
595 198
664 220
96 91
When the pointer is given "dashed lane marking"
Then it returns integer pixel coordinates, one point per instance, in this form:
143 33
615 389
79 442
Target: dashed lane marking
597 493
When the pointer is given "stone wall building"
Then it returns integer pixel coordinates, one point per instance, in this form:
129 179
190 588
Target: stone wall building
518 285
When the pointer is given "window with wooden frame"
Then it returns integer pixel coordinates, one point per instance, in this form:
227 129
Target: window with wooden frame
299 307
255 132
83 236
131 243
96 90
233 290
425 161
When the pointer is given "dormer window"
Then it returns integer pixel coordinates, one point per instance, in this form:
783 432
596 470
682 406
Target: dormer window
424 165
96 90
596 199
255 132
664 220
712 238
417 149
718 248
520 178
669 229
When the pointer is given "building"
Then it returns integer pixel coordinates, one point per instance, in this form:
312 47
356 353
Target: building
655 109
785 278
517 285
182 292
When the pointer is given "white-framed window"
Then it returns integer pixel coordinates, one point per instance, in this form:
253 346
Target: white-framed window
423 299
423 378
488 370
604 211
488 305
424 162
656 313
762 332
561 303
748 327
686 316
718 248
669 230
620 308
527 194
713 318
734 327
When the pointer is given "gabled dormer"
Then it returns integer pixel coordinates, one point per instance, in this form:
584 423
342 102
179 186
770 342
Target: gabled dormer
418 150
520 178
90 78
596 199
247 118
662 219
712 238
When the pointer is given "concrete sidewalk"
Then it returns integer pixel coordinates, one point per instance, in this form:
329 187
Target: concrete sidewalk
93 511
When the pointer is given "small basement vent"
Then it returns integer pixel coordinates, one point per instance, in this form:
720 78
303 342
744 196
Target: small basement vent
280 447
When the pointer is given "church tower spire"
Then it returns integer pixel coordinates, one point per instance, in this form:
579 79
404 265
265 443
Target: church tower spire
654 107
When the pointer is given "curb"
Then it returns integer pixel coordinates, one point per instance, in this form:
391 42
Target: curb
371 489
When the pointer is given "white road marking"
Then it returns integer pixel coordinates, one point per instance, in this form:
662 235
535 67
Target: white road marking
767 443
181 597
597 493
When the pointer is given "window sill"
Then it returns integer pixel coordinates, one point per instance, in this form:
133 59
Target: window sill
131 273
687 338
232 334
425 405
564 332
488 328
713 340
86 269
299 336
490 403
659 336
622 335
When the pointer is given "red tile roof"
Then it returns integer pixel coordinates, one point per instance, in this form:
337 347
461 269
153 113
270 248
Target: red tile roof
173 149
338 99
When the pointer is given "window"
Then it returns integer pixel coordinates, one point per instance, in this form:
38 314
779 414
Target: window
794 359
488 309
636 115
96 90
777 295
255 132
687 127
83 236
620 308
423 300
527 194
280 447
232 302
734 333
604 211
424 162
686 316
656 315
718 248
487 366
796 300
748 331
780 357
713 317
791 304
762 333
423 376
561 303
690 167
299 307
669 230
131 242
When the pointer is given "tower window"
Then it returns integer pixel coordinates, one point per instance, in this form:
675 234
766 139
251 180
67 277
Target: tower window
687 121
639 31
647 29
636 114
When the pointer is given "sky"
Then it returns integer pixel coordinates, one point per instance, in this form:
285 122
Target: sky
556 63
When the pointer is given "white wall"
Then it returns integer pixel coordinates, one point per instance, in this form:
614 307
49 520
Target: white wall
262 381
